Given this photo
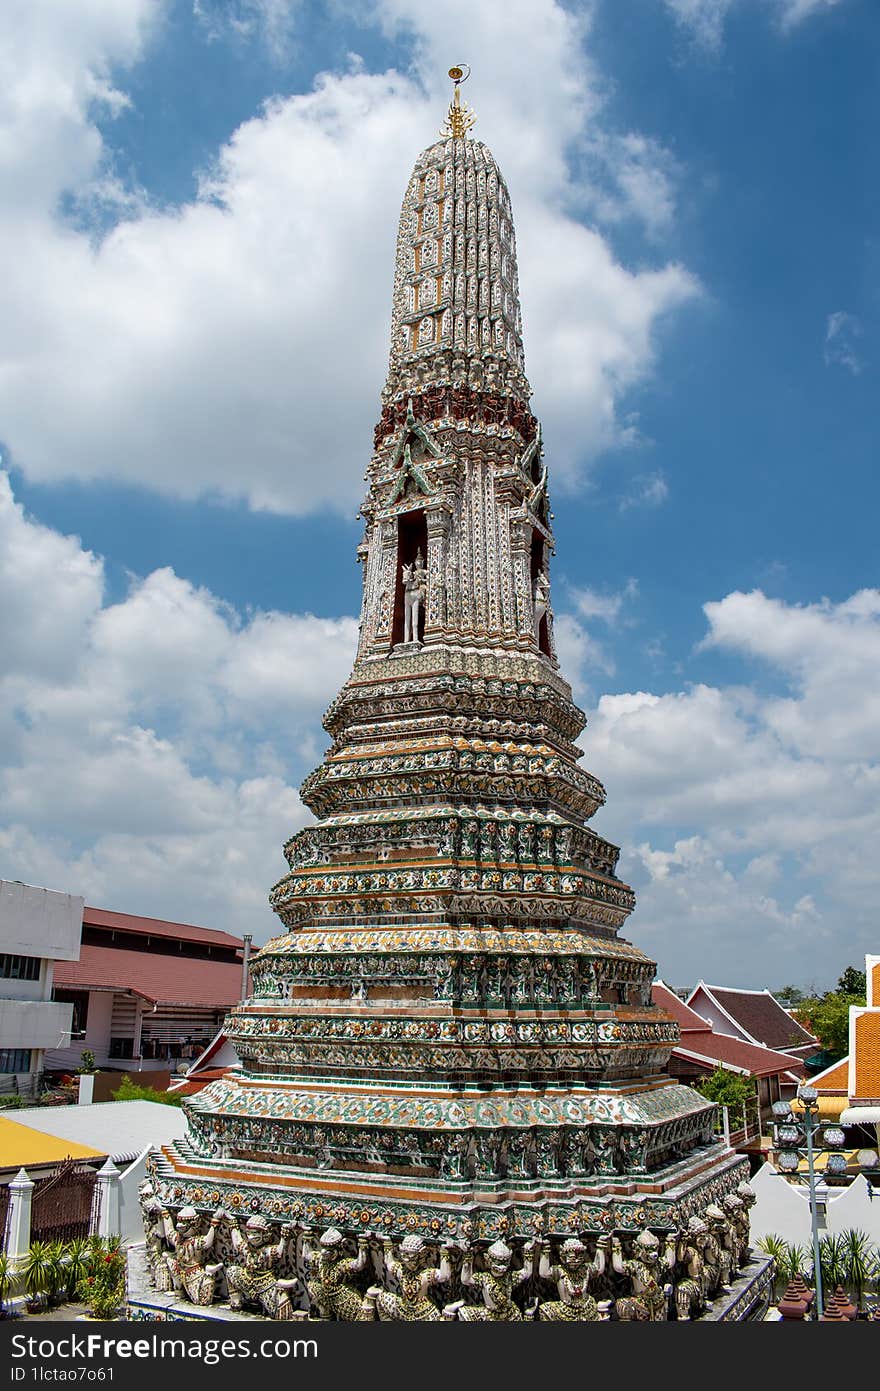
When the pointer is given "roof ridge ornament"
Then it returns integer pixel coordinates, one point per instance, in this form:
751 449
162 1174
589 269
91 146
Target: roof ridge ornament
459 117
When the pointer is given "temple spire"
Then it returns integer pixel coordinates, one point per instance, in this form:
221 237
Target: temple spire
459 117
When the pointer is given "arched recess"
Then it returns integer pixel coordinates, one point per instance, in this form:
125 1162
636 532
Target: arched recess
412 537
537 568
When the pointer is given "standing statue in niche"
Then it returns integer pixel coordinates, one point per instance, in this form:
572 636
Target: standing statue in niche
541 600
252 1279
415 583
154 1232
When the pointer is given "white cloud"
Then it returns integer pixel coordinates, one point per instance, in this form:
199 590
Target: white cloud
749 816
147 746
273 22
236 345
705 19
647 490
593 603
840 350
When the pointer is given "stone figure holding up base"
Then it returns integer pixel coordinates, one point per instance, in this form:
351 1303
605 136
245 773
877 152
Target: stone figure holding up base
648 1302
330 1287
495 1285
191 1272
572 1277
414 1278
415 583
252 1278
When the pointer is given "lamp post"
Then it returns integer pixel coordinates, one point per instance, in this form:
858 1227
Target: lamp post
796 1134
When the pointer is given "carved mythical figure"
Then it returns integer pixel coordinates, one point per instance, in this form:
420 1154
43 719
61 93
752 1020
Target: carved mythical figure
414 1278
252 1279
154 1233
738 1229
648 1302
690 1292
495 1286
716 1255
189 1267
748 1197
415 581
572 1277
330 1289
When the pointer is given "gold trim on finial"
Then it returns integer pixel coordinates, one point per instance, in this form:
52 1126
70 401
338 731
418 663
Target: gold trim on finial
459 117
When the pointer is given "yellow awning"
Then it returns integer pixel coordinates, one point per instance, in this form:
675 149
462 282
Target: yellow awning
20 1145
829 1106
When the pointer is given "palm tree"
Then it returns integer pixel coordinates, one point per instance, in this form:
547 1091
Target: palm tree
37 1271
860 1256
76 1265
833 1260
7 1279
774 1245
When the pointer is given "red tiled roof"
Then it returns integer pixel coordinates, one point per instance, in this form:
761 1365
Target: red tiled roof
723 1048
164 980
760 1015
157 927
834 1078
685 1018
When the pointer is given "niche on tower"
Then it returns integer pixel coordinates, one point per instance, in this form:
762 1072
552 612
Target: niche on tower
411 582
540 593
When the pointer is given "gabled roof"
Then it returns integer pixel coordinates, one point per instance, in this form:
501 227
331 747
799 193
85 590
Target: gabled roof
864 1072
833 1079
163 980
158 927
686 1019
723 1050
757 1015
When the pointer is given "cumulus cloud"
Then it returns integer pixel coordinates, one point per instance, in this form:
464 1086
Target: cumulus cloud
749 814
841 331
236 345
149 749
272 22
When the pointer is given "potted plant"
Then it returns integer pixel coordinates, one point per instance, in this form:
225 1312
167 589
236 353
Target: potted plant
103 1288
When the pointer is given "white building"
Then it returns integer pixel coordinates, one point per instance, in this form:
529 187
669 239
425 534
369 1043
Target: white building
37 928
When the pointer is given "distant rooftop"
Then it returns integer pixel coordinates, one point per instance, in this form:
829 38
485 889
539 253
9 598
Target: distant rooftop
161 979
158 927
757 1014
120 1129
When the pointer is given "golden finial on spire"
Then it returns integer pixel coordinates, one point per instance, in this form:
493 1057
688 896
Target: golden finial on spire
459 117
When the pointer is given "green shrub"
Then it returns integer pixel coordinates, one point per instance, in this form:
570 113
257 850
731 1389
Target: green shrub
133 1091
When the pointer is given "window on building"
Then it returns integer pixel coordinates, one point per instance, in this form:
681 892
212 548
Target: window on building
122 1048
15 1060
80 1001
19 967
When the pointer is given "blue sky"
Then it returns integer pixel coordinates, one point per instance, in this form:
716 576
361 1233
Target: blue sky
199 206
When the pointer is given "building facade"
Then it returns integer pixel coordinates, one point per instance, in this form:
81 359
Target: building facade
39 934
145 994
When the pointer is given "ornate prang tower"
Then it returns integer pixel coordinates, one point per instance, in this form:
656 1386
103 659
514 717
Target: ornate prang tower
449 1038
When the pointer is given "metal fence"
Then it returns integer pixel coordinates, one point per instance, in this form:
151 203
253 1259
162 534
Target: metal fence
63 1203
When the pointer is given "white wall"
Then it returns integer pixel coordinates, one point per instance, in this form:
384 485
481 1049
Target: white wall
39 922
33 1023
784 1209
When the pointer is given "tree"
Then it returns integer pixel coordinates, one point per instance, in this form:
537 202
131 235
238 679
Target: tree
852 982
726 1088
130 1091
788 995
828 1019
